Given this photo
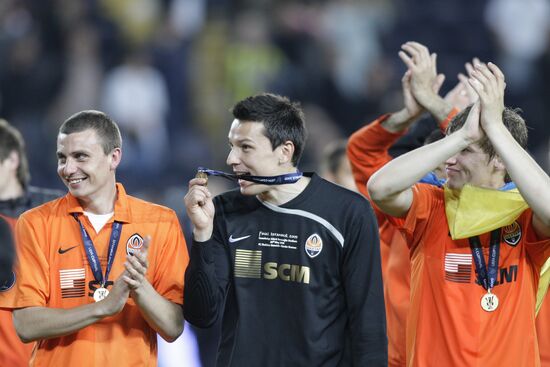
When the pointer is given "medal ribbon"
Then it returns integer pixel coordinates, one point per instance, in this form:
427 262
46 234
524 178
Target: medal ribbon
91 253
487 276
288 178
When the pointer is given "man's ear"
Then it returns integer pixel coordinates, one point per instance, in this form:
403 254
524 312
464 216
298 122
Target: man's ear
498 163
13 160
287 152
116 156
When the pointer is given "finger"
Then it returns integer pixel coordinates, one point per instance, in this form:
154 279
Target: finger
198 195
133 267
476 86
145 248
140 265
466 84
133 284
424 57
481 78
406 59
203 189
498 74
132 273
199 188
141 258
197 181
440 78
411 50
486 72
469 68
433 59
463 78
422 50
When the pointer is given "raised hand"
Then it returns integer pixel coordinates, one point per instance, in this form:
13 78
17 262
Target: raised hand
136 266
472 130
200 209
413 108
462 95
423 71
488 82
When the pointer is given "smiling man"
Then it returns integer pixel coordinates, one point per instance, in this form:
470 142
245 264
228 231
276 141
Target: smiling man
476 246
293 267
84 302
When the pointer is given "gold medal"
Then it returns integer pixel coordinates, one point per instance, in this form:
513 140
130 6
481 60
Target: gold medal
489 301
201 174
100 294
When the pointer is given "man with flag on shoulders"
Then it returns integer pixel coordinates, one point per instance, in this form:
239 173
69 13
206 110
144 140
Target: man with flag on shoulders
467 238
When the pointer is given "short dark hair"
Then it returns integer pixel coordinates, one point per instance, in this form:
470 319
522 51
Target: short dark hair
512 120
283 120
12 141
105 128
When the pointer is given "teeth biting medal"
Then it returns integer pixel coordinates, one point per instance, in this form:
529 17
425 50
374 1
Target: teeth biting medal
288 178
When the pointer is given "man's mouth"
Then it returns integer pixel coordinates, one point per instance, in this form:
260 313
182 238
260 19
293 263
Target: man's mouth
74 181
241 173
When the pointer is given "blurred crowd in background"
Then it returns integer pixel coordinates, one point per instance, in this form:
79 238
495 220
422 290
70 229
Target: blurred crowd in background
168 70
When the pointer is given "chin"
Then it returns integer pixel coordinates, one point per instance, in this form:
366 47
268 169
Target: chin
455 185
249 191
252 189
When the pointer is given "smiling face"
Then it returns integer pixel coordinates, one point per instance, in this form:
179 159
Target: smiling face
251 153
473 166
84 167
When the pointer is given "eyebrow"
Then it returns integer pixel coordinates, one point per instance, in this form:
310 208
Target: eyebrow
243 140
61 155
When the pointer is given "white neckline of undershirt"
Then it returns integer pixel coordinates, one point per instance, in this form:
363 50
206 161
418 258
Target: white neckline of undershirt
98 220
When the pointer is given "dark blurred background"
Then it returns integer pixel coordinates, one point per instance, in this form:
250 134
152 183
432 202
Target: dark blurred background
168 71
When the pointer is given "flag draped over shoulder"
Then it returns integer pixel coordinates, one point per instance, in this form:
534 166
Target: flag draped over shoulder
475 210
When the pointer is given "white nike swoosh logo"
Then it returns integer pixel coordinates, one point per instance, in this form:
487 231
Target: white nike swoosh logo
231 239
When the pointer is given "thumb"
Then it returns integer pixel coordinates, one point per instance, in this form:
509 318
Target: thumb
439 79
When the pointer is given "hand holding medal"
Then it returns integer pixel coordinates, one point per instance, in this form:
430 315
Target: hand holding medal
203 175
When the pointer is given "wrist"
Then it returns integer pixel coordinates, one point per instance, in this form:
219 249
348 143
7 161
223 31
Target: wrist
436 106
101 309
141 290
494 126
399 121
202 235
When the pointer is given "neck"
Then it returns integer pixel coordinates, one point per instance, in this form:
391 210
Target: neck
13 190
104 203
281 194
494 184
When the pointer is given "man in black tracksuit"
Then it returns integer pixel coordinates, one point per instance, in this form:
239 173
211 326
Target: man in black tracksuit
292 268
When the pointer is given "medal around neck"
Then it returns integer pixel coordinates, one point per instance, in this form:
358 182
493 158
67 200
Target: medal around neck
100 294
489 302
